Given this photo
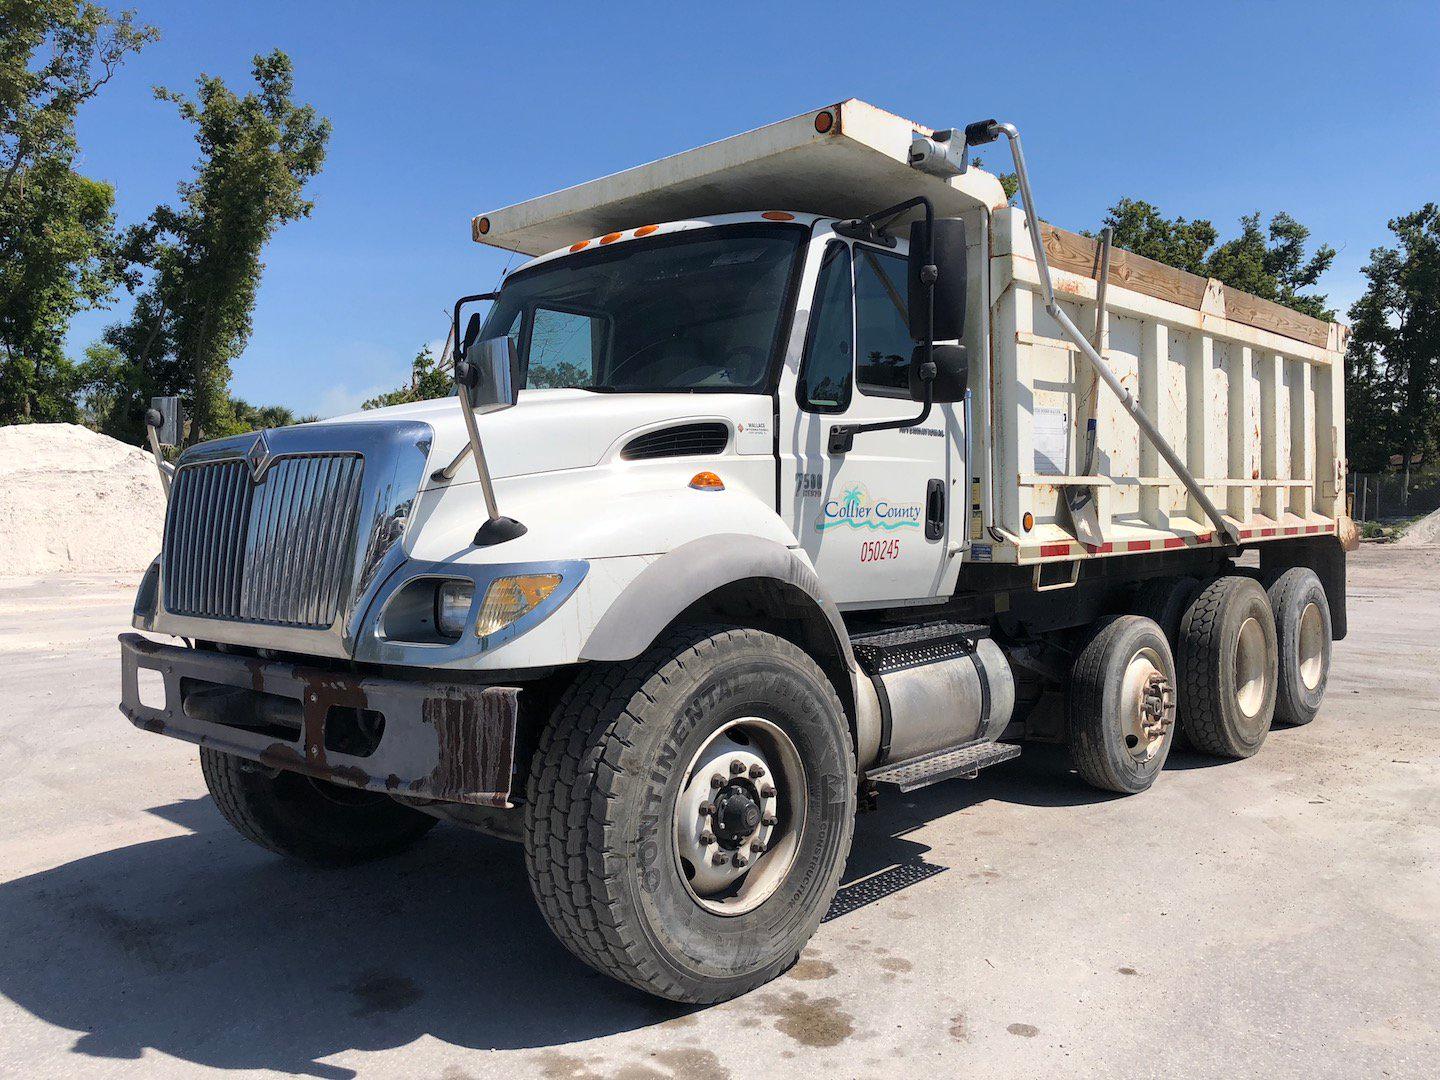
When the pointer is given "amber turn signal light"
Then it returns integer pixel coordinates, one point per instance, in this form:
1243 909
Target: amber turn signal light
707 481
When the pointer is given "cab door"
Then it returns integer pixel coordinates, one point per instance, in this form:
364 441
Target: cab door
875 520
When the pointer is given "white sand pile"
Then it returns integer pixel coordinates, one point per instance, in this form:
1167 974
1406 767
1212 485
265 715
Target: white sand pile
74 500
1423 533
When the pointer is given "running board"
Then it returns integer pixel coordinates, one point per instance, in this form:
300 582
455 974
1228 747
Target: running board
962 761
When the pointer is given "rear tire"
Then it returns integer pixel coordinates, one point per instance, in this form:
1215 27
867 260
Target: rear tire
1302 630
1165 601
308 819
1121 705
621 793
1227 668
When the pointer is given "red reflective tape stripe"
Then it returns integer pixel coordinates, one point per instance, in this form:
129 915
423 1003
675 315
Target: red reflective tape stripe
1100 549
1267 532
1049 550
1138 545
1205 538
1173 542
1291 531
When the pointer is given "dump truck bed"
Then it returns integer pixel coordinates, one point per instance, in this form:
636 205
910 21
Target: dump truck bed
1250 394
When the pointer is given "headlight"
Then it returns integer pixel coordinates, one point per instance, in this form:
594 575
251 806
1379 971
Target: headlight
508 598
452 607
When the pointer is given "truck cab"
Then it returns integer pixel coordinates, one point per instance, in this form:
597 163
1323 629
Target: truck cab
739 514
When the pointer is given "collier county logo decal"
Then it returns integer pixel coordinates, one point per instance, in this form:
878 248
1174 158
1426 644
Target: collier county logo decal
855 509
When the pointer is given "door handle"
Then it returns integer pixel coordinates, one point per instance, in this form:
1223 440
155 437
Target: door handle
934 509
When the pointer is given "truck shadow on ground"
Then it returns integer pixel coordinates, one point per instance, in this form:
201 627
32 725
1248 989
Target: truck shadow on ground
208 949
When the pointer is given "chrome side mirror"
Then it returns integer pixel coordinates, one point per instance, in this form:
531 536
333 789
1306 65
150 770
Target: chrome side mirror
487 374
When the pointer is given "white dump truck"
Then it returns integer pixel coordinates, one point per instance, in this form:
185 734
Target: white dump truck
789 468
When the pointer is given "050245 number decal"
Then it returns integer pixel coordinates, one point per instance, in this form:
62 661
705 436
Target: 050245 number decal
879 550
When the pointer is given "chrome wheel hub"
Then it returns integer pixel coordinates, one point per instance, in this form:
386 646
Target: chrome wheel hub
1147 705
738 816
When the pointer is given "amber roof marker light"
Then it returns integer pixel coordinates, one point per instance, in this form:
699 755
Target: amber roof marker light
777 215
824 121
482 226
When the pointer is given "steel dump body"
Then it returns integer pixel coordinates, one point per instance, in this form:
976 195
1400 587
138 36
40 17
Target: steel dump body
1248 393
1253 403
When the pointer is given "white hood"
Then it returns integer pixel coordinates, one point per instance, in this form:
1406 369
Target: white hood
554 430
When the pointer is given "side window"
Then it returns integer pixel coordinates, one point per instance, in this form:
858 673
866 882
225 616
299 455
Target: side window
826 370
566 348
882 337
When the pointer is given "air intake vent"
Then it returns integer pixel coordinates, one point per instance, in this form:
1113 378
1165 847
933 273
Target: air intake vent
685 440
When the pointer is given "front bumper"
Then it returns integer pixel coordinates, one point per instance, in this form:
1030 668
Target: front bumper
439 739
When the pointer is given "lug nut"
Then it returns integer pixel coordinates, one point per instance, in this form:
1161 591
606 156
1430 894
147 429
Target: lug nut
719 858
768 819
741 860
767 792
717 781
758 847
737 767
707 808
707 837
756 771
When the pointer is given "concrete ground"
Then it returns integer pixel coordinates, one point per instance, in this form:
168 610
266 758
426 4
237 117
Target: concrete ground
1275 917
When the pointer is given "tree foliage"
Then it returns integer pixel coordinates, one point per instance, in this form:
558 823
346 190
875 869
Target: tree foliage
1268 262
192 318
59 251
428 380
1392 365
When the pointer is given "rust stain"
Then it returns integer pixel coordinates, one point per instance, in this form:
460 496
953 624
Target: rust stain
476 741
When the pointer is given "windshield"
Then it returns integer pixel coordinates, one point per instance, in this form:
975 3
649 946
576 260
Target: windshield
697 310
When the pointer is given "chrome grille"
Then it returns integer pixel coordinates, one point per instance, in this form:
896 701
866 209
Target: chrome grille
279 551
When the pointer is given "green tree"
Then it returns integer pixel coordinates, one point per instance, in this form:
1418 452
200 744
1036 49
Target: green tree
1275 268
1269 263
192 318
1392 365
1179 242
59 251
428 380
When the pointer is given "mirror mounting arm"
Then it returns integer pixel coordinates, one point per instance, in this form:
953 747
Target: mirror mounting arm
497 528
842 436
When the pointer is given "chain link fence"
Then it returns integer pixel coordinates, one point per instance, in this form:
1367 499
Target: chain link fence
1392 496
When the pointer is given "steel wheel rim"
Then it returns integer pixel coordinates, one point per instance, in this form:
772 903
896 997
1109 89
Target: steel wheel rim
1311 646
710 822
1252 676
1147 705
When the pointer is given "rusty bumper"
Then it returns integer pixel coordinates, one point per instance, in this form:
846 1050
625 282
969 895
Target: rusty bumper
433 739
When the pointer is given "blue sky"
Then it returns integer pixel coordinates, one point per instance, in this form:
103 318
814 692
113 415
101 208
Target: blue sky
1328 110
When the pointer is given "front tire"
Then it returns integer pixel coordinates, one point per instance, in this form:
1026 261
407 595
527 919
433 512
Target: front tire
620 800
307 819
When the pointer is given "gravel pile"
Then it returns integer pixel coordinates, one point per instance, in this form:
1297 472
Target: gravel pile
72 500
